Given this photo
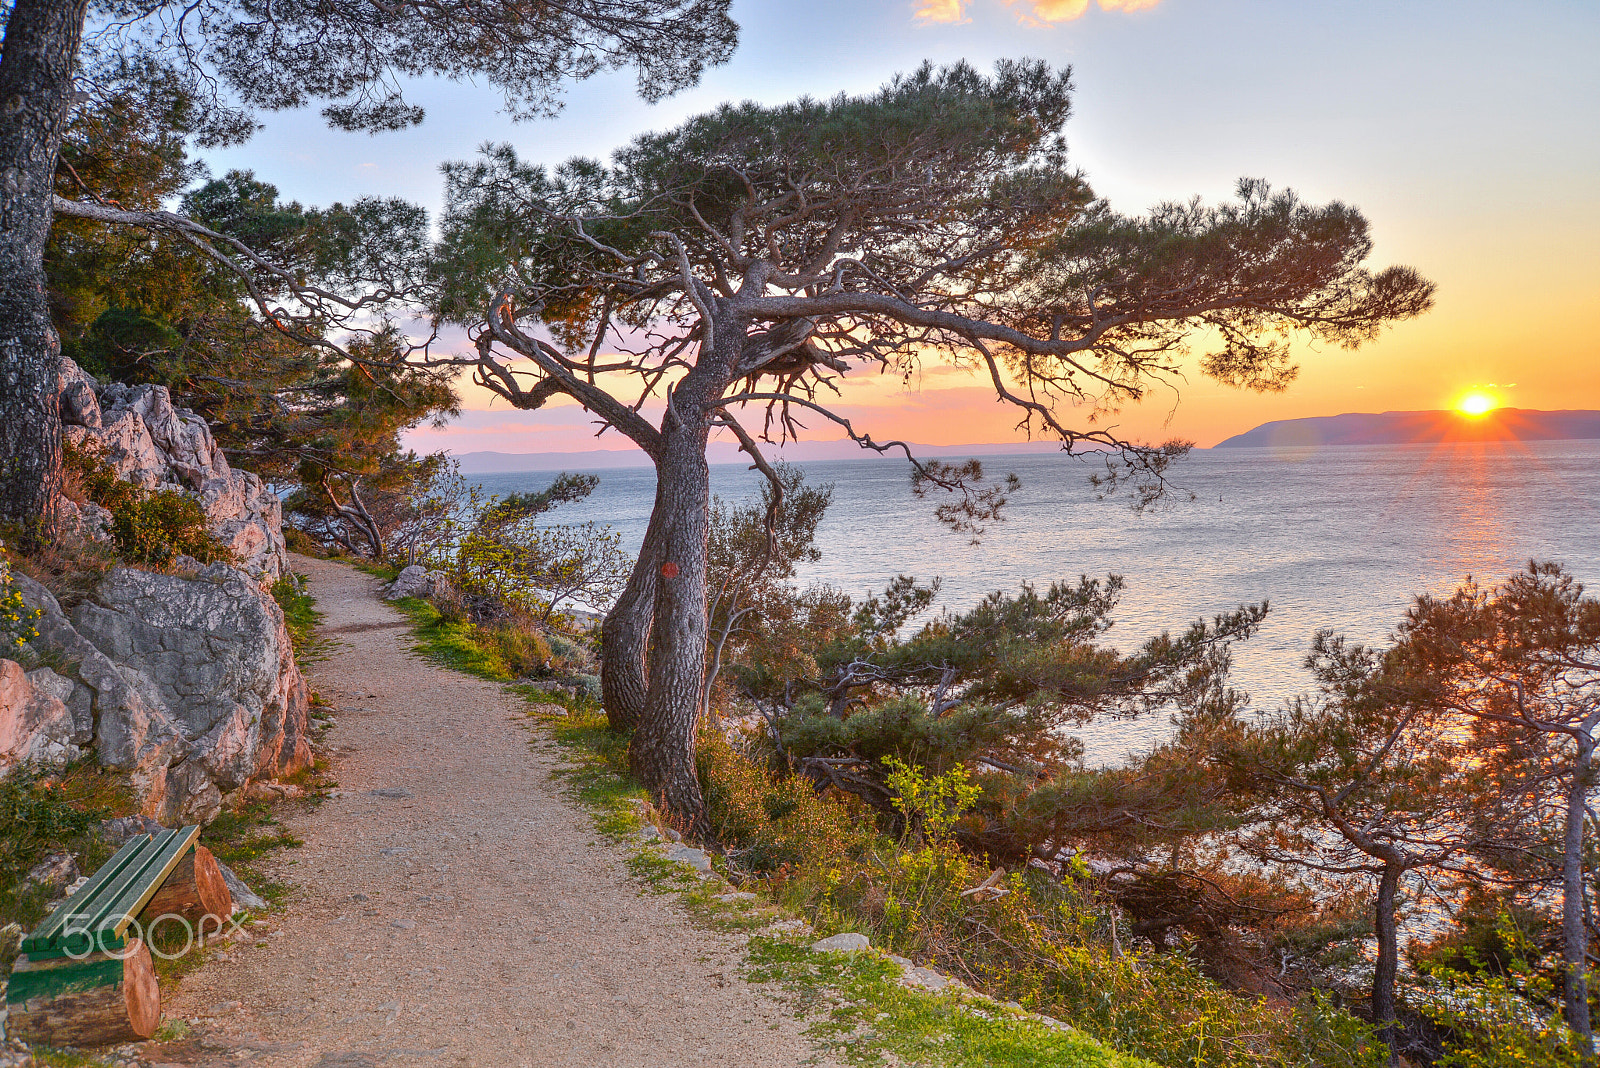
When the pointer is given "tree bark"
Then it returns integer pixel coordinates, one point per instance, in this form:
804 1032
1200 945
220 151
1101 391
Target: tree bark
1575 939
662 752
41 47
1388 965
625 634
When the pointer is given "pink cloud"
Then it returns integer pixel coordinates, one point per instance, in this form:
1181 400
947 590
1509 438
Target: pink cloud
1030 12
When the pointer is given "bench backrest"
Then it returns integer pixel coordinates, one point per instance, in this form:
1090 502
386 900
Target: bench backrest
97 916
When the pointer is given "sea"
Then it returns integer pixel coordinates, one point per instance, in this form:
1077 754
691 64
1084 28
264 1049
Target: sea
1339 537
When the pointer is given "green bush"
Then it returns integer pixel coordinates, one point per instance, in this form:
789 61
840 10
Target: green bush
147 526
523 652
298 541
155 527
774 823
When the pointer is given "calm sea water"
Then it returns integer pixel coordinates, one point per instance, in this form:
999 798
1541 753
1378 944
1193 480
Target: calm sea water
1338 537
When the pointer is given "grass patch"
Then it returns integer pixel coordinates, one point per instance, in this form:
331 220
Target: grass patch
300 618
384 571
241 838
59 812
458 646
46 1057
865 1017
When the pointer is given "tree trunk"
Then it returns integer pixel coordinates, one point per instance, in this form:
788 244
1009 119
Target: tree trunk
194 890
1575 939
1383 977
91 1002
625 634
662 753
41 45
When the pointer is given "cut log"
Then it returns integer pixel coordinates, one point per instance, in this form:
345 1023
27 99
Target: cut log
194 890
97 1001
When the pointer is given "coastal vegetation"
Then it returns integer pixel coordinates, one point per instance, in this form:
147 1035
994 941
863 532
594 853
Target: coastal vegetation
1371 874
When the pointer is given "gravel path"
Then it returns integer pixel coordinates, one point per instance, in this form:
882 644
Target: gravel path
452 907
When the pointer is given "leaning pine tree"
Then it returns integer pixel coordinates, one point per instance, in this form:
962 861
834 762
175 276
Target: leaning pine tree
747 259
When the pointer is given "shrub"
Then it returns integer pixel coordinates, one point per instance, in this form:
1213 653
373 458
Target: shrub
298 541
1045 944
147 526
523 652
774 822
41 815
155 527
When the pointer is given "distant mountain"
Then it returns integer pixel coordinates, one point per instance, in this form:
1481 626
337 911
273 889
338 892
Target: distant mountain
1413 428
721 452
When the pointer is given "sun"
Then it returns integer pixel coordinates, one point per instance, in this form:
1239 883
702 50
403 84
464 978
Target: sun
1477 402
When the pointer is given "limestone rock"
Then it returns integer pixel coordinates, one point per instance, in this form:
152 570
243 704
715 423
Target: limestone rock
79 404
926 978
150 442
35 724
123 828
849 942
244 898
695 858
187 682
417 581
57 871
88 521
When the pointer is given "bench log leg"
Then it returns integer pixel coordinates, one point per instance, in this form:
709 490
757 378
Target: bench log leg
194 890
96 1001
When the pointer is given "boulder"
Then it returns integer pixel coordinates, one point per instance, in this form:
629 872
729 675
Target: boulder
849 942
80 406
186 681
417 581
123 828
244 898
88 520
150 442
56 871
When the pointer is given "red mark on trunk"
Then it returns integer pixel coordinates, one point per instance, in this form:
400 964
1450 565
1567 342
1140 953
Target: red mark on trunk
669 570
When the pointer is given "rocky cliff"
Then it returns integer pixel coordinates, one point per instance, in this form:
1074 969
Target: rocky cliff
148 441
187 680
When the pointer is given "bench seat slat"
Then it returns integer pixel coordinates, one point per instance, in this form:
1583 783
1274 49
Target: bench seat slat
165 856
107 904
43 935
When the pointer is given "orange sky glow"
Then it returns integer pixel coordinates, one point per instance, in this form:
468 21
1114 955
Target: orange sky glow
1485 189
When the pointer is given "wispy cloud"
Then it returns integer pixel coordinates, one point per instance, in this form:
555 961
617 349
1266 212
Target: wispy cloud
946 11
1032 12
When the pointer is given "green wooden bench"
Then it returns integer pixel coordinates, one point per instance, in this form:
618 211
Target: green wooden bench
96 918
85 978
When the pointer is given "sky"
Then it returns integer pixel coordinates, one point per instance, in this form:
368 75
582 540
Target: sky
1468 133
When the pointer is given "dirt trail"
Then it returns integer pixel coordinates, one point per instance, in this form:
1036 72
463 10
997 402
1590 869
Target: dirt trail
469 918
